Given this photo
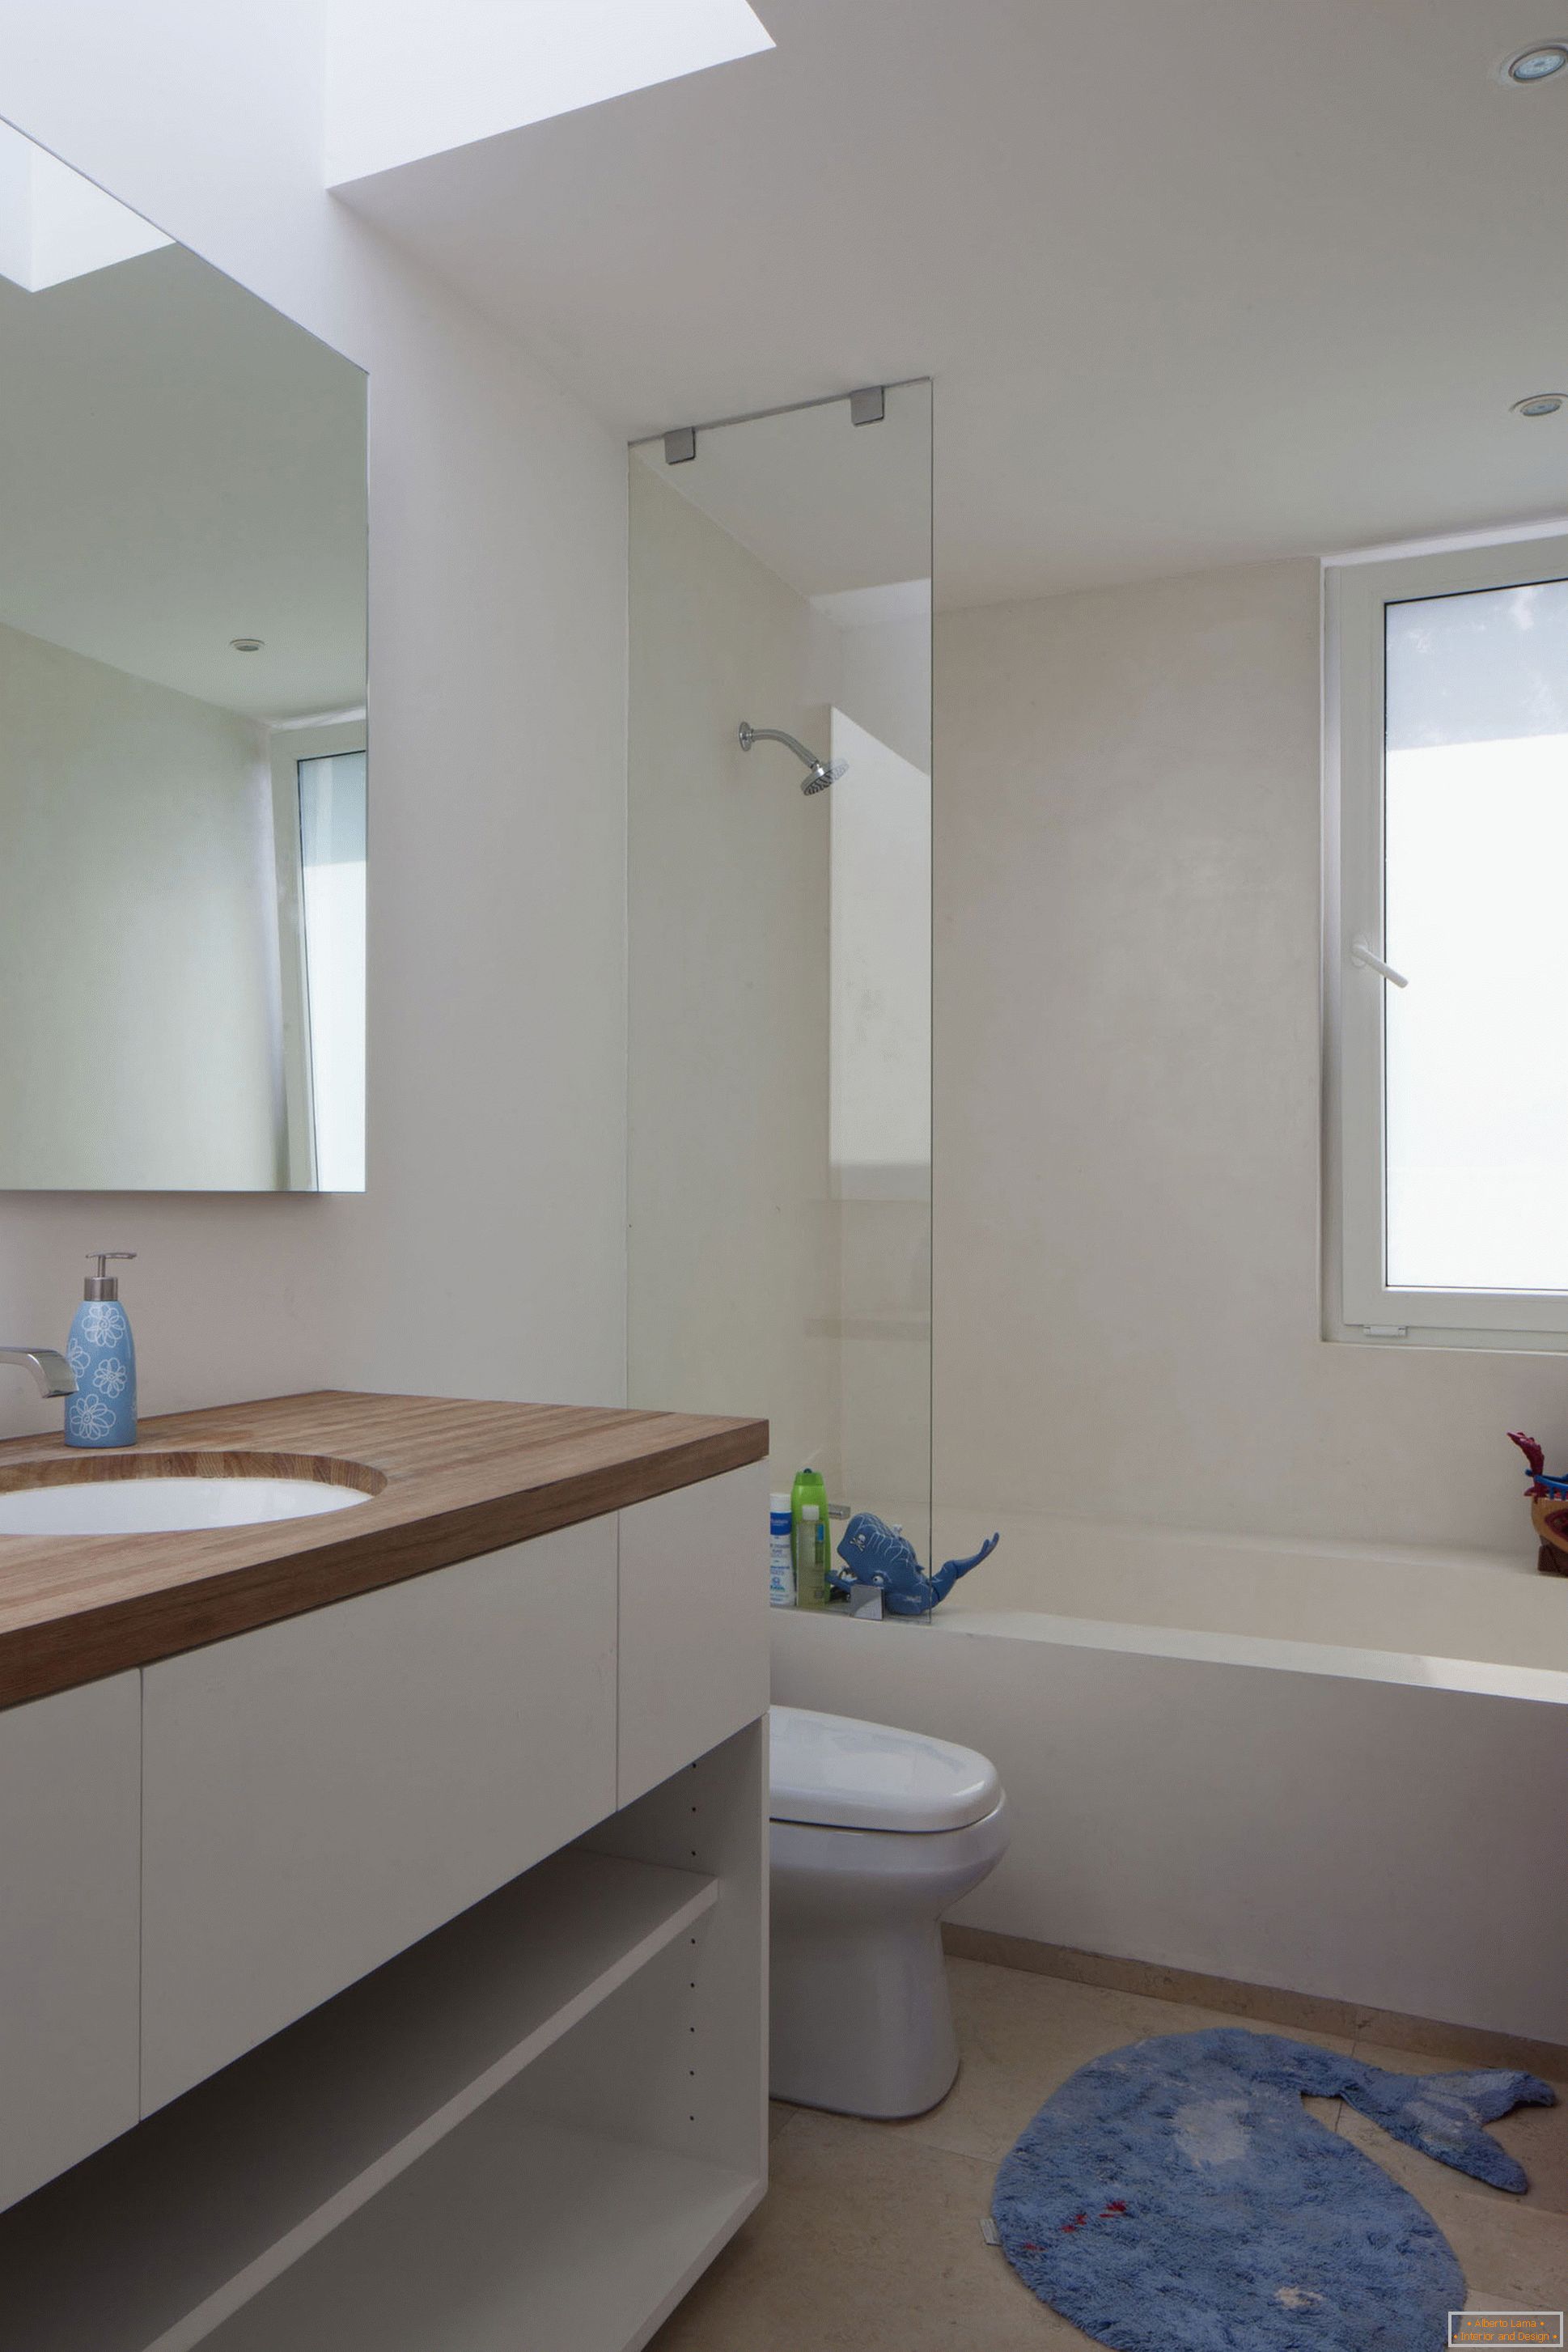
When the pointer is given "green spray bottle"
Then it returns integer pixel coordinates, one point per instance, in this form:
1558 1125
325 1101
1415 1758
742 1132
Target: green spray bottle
808 1523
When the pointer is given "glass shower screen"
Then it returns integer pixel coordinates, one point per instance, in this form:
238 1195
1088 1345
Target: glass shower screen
780 941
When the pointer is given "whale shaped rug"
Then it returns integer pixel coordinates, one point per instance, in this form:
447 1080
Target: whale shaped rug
1176 2197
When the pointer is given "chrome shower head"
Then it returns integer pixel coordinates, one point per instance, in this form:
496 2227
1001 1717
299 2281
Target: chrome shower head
819 773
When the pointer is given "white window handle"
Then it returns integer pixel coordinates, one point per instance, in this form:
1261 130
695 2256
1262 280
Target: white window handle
1362 954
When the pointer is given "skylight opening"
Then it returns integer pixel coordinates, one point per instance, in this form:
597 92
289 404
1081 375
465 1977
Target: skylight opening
406 78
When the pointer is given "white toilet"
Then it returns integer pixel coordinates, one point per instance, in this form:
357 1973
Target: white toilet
876 1832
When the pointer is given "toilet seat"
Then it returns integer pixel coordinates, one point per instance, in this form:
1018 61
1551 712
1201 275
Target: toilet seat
831 1772
928 1872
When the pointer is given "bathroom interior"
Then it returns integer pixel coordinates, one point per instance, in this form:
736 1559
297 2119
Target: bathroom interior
782 790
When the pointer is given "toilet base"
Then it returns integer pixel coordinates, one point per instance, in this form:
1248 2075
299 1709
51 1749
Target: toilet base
863 2028
861 2020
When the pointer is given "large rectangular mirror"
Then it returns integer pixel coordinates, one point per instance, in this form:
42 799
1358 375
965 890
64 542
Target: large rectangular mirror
182 716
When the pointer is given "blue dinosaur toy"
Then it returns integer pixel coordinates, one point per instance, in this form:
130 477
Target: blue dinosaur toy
876 1554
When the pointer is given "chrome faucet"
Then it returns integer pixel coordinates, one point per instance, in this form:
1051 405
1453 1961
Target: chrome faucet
47 1366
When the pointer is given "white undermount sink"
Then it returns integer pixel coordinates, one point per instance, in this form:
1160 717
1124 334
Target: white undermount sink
138 1504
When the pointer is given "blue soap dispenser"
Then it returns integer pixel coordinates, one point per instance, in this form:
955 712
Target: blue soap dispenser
101 1354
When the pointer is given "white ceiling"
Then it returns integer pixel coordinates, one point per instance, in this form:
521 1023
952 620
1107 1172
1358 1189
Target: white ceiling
1198 280
181 465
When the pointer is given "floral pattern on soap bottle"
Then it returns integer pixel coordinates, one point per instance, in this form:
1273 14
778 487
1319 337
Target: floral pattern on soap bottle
103 1356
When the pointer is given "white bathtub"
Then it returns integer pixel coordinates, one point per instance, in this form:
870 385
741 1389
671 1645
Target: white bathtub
1330 1768
1415 1611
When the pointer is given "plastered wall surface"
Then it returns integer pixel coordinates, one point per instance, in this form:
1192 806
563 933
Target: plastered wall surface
1127 875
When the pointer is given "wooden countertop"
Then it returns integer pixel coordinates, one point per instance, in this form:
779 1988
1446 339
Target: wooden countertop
448 1479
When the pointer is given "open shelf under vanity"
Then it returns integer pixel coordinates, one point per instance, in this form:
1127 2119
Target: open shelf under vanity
532 2128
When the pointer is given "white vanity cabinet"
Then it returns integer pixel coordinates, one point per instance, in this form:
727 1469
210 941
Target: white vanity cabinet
693 1624
423 1929
319 1794
69 1772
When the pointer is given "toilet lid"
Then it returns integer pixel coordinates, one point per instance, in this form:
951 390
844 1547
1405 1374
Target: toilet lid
843 1774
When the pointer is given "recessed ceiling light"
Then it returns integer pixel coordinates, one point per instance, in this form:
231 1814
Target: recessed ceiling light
247 645
1540 403
1538 63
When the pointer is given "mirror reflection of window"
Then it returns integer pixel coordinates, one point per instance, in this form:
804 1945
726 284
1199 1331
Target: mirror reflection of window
331 791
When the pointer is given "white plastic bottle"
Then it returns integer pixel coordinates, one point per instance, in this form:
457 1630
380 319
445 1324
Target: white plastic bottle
781 1552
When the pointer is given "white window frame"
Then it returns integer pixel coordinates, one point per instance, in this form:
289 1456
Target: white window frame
1359 1305
291 741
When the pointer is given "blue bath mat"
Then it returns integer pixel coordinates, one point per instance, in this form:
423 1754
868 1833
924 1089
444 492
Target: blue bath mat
1176 2197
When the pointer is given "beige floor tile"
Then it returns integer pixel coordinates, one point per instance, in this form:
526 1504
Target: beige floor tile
1538 2136
1328 2111
869 2238
781 2115
1022 2035
868 2241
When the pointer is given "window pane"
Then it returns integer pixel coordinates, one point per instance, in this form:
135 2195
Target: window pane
1476 849
333 857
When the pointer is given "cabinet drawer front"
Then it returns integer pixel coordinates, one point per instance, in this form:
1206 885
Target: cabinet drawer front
70 1835
694 1623
320 1793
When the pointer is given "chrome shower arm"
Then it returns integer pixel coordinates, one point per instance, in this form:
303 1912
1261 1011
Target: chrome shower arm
749 735
819 773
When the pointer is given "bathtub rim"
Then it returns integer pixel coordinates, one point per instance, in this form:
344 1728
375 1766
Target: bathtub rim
1277 1653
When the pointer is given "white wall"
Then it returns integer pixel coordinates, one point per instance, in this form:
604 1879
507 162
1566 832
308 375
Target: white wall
487 1255
1127 1095
141 1041
733 1286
